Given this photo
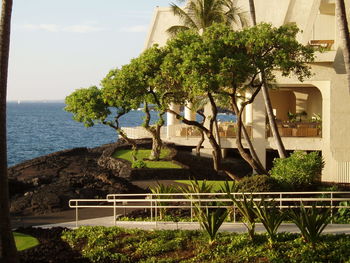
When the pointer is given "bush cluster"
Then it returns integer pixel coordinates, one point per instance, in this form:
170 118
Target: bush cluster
300 170
257 183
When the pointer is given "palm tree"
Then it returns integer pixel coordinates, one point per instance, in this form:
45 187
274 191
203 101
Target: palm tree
345 35
200 14
267 100
8 252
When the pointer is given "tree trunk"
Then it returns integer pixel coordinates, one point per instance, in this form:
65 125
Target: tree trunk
344 35
131 141
199 145
156 146
217 156
267 100
272 121
254 162
8 251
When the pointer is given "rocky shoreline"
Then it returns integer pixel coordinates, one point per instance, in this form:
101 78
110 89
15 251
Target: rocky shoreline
45 184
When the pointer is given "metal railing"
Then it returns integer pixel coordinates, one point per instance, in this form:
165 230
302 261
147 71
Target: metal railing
154 202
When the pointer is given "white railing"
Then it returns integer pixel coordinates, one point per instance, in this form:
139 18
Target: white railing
154 202
140 132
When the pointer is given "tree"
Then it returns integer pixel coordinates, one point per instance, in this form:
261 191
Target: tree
280 147
8 251
201 14
344 35
90 107
225 62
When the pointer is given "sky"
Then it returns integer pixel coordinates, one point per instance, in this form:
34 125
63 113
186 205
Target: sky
58 46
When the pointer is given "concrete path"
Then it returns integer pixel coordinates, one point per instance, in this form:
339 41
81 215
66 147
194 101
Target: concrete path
230 227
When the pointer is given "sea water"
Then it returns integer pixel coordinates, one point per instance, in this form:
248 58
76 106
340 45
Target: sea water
37 128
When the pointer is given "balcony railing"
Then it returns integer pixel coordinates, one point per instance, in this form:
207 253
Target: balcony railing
298 129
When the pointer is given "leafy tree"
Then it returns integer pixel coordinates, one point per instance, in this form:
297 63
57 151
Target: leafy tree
90 107
8 251
222 62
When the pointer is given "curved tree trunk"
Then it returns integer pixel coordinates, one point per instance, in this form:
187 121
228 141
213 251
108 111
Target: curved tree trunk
344 35
8 251
267 100
131 141
155 132
199 144
256 165
272 121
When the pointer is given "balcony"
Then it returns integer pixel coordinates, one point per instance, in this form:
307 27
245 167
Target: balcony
298 129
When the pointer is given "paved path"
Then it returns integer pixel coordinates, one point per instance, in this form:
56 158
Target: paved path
230 227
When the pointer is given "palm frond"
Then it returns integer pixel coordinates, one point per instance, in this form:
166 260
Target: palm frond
174 30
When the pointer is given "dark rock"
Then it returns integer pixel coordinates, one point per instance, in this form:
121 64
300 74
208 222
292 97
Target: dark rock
46 184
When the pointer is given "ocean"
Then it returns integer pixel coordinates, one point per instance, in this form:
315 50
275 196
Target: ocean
37 128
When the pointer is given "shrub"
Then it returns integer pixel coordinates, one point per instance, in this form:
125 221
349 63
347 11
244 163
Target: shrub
138 164
256 183
298 170
311 222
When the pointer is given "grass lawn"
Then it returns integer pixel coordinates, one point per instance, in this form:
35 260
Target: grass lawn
24 241
215 184
144 154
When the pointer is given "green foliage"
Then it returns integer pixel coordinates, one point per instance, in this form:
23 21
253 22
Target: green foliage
196 186
129 245
311 222
343 214
138 164
247 208
211 220
270 217
142 154
87 106
298 170
256 184
163 189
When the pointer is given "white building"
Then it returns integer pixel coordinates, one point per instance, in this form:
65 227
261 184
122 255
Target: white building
325 94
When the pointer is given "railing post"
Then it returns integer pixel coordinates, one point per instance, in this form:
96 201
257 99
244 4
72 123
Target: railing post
114 211
76 214
156 212
280 201
151 209
332 207
191 208
234 209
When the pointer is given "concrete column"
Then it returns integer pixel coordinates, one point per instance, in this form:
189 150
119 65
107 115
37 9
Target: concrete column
171 119
259 127
189 114
248 110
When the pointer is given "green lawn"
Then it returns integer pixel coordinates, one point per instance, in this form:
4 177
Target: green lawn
215 184
144 154
24 241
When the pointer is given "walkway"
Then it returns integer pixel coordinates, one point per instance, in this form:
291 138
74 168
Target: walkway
230 227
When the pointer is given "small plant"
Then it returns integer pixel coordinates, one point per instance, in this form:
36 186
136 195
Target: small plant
211 221
163 189
270 217
299 170
256 183
343 214
247 208
138 164
311 222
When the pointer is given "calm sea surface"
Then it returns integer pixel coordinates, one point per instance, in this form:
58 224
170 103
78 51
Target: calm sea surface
36 129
